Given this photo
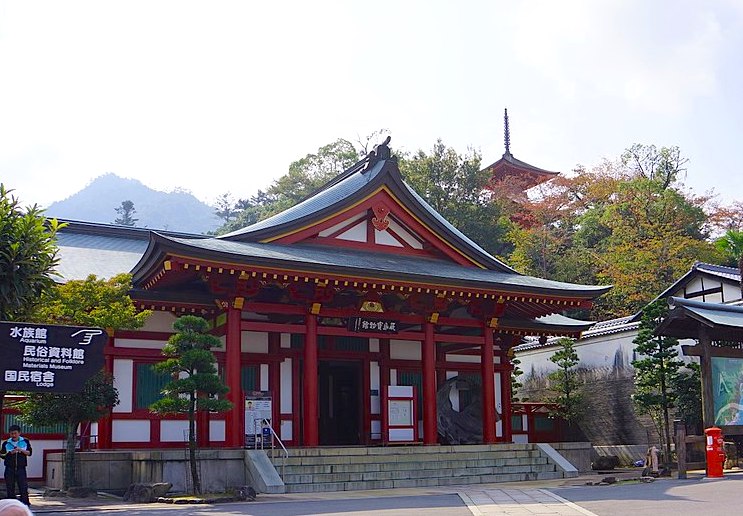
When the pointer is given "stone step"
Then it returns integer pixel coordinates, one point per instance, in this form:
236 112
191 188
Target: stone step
290 478
398 466
409 457
421 482
343 469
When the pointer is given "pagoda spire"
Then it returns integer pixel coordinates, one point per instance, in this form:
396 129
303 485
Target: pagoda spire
506 133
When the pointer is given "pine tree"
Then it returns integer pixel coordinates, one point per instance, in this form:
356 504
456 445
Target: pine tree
656 372
565 383
196 383
126 214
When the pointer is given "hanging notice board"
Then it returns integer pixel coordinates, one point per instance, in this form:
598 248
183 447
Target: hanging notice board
402 414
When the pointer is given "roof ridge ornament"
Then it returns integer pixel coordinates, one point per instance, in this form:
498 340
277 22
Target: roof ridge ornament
506 133
380 152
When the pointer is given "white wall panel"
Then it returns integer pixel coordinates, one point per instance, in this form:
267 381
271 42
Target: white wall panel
173 431
123 381
286 387
130 430
160 321
139 343
286 431
217 430
254 342
374 385
405 350
264 378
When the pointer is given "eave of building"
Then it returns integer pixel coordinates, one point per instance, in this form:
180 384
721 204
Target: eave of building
509 165
318 264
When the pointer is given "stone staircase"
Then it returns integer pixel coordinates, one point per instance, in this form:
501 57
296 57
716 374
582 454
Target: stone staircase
346 469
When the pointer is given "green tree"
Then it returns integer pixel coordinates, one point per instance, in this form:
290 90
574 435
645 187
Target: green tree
92 403
28 256
731 244
565 384
656 372
455 185
304 177
515 384
89 302
196 383
126 214
225 208
688 388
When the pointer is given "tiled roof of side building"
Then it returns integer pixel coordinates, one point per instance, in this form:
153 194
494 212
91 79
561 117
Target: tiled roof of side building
102 249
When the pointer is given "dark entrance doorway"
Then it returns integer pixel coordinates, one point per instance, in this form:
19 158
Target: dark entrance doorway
340 402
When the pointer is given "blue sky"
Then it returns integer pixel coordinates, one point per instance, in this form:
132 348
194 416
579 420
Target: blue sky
222 96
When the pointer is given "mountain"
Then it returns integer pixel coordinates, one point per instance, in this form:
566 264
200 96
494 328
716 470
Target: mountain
174 211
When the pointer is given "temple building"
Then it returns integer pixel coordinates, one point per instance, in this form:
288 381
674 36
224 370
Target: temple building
342 316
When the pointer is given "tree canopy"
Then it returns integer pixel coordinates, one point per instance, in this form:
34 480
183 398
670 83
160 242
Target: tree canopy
28 256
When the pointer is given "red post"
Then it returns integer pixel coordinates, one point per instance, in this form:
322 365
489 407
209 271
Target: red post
715 449
105 424
311 413
505 379
488 388
235 418
384 382
430 428
202 428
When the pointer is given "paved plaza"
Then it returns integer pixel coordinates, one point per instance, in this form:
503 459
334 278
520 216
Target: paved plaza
664 497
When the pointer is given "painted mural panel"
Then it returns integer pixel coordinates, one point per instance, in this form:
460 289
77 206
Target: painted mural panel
727 385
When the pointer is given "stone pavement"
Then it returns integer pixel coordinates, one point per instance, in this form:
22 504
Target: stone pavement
518 502
512 499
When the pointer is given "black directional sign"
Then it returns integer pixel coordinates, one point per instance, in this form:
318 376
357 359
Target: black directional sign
47 357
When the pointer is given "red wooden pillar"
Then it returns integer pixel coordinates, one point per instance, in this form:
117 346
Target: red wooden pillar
274 379
506 407
105 424
311 413
488 388
235 418
384 381
428 350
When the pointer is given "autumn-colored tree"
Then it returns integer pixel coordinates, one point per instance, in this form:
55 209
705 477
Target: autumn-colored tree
629 224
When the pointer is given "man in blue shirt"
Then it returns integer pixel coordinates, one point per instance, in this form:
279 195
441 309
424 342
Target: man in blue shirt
15 452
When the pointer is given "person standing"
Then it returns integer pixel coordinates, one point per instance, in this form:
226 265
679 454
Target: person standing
15 452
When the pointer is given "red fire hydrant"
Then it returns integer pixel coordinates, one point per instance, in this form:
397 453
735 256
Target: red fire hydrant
715 452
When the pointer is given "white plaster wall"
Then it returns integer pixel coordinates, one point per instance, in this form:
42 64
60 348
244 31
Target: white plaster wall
264 378
355 234
384 238
403 233
160 321
374 345
131 430
35 468
732 292
254 342
393 377
342 224
123 382
285 370
286 340
139 343
470 359
217 430
498 404
173 431
286 430
405 350
374 381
